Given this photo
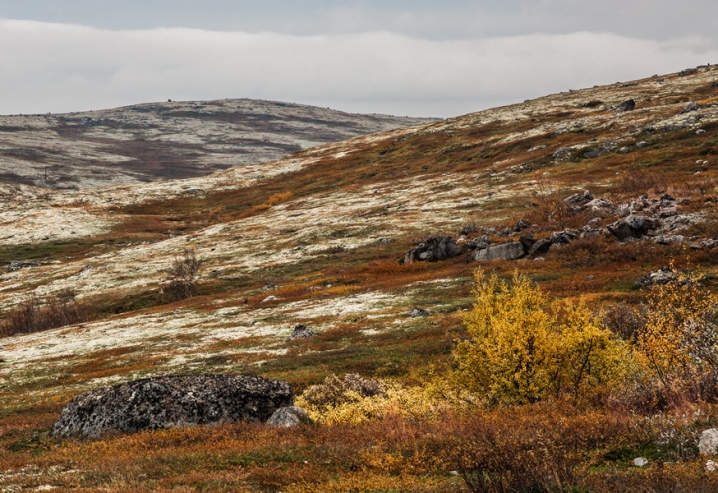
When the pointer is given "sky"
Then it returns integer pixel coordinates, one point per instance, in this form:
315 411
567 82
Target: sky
403 57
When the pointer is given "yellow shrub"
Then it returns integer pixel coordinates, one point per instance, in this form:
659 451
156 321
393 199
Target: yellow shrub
521 352
680 336
356 400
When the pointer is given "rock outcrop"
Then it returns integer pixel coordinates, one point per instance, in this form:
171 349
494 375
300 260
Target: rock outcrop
171 401
433 249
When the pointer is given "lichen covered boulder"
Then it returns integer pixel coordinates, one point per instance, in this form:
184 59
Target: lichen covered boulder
171 401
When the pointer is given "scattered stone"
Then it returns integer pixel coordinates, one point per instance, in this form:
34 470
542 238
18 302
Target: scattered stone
271 297
708 244
640 462
418 312
599 204
22 265
564 237
521 225
687 71
642 144
669 239
540 247
623 150
562 153
289 417
301 332
711 466
171 401
504 251
692 106
537 148
632 227
708 442
527 241
579 198
662 276
433 249
592 104
628 105
700 131
479 243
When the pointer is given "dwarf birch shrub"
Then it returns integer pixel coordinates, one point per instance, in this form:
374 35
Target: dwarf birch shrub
679 340
523 349
355 400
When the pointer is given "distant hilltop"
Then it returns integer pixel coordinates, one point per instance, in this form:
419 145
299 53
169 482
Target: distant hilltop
175 139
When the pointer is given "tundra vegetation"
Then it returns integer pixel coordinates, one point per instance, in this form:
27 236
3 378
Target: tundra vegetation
552 372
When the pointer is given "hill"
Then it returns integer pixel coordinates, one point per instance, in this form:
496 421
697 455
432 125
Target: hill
315 239
176 139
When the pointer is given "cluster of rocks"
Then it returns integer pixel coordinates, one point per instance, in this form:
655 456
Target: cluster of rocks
433 249
176 401
655 219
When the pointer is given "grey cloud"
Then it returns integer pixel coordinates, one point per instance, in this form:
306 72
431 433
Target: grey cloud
70 68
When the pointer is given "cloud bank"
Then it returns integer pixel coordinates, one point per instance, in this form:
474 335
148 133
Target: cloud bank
63 68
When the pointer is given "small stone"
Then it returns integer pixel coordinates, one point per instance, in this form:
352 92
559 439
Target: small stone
301 332
627 105
708 443
711 466
288 417
640 462
642 144
692 106
700 131
418 312
271 298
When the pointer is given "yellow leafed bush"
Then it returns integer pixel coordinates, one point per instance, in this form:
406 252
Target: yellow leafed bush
679 339
521 351
355 400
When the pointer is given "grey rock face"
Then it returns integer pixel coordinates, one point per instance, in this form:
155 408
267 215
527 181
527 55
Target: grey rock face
505 251
632 227
433 249
288 417
171 401
708 443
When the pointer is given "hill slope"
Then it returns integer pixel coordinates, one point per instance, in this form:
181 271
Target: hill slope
315 239
167 140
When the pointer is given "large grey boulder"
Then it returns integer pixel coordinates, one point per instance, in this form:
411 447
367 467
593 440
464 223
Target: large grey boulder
171 401
433 249
504 251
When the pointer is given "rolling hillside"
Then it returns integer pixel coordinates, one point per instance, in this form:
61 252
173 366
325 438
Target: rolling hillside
316 238
160 141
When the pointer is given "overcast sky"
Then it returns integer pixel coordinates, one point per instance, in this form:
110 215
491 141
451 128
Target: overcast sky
403 57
